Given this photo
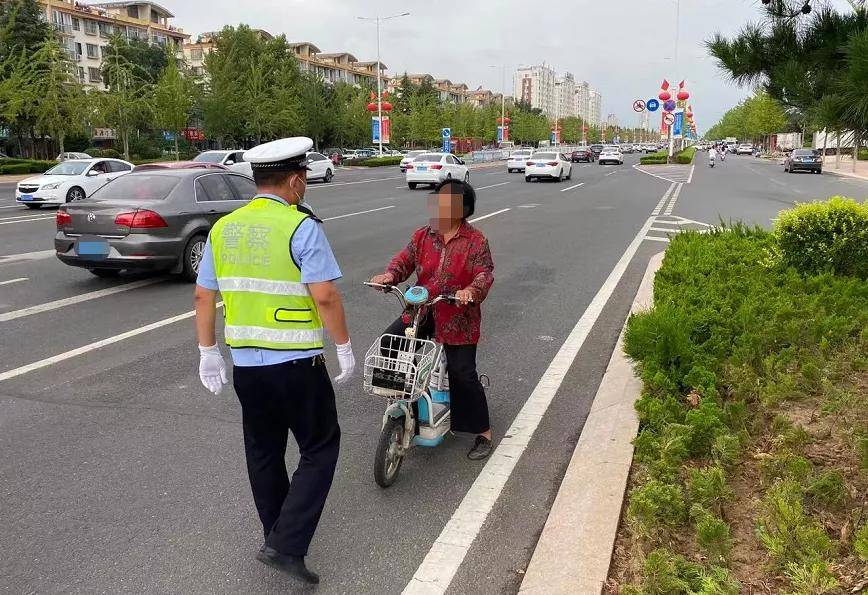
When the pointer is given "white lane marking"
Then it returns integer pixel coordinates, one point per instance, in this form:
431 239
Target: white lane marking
13 207
487 216
610 173
43 363
663 200
29 215
76 299
493 185
674 199
27 256
358 213
329 185
666 229
11 281
450 548
574 186
656 239
7 222
399 187
690 177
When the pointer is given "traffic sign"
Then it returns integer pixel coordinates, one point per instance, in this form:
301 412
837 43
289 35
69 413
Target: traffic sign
652 105
446 132
668 119
447 140
669 105
638 106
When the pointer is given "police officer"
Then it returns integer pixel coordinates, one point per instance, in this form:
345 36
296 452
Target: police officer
275 270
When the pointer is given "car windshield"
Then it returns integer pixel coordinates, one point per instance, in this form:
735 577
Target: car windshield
803 153
69 168
139 187
545 155
433 157
209 157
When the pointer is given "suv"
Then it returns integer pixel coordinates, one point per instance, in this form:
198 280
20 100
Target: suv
596 149
744 149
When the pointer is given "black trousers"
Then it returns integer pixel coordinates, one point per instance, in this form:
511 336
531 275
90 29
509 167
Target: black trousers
468 405
292 397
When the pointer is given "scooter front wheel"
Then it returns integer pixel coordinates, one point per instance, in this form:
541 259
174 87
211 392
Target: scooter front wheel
390 452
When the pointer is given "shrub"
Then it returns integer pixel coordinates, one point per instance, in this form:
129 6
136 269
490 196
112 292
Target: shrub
15 168
708 488
686 156
380 161
664 573
786 531
811 578
860 543
725 450
829 236
656 507
654 159
110 153
712 534
718 581
828 491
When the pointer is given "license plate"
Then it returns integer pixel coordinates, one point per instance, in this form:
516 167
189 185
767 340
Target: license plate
26 197
422 168
540 164
91 248
389 379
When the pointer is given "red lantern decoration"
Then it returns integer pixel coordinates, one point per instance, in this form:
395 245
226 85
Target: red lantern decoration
386 106
683 96
689 115
665 85
372 107
664 95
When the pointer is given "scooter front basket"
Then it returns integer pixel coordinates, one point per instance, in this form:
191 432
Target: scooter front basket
398 367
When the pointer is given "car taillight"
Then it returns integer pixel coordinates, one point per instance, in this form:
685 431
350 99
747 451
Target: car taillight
436 166
142 219
552 163
408 166
529 163
63 218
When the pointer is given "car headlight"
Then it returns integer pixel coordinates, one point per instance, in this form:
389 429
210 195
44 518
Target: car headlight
54 186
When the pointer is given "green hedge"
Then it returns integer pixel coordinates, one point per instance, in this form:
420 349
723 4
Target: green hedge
823 237
25 166
380 161
686 156
658 158
15 168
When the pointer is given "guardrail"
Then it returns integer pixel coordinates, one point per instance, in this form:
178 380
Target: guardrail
487 156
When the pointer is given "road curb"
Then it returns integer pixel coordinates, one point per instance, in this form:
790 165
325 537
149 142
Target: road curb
575 548
7 178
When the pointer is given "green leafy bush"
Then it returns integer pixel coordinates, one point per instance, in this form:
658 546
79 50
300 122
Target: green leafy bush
712 534
686 156
380 161
829 236
827 490
15 168
811 578
655 507
708 487
654 159
860 542
33 166
667 573
786 531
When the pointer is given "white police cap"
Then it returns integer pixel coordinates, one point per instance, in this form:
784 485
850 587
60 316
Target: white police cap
285 154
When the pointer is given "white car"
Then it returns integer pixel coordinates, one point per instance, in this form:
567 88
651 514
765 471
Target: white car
320 167
65 156
548 164
610 154
517 160
408 158
68 181
232 159
433 168
745 149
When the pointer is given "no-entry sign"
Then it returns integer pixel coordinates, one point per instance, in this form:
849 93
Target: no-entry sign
638 106
668 119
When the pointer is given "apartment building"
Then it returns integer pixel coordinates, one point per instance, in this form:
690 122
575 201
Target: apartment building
565 96
85 29
595 107
535 85
447 91
583 91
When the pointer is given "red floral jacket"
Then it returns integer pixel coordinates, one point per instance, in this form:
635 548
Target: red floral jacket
463 263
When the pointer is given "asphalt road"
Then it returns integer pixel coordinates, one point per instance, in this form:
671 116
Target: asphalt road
121 474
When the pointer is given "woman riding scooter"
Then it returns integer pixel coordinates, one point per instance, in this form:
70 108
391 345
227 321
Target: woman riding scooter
449 256
712 155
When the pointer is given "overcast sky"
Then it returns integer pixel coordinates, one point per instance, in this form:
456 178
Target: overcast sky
624 48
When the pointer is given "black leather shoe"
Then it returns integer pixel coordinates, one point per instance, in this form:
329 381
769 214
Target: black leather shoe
291 565
481 449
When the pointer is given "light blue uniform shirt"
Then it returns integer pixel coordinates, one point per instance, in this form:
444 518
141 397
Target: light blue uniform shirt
311 250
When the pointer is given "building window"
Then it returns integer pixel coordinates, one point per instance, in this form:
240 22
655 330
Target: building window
133 11
76 24
196 54
92 51
94 75
155 18
102 50
81 74
90 27
105 30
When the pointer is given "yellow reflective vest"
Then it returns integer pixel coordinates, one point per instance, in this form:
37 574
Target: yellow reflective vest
265 303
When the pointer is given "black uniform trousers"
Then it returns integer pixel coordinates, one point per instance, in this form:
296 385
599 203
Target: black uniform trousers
292 397
467 403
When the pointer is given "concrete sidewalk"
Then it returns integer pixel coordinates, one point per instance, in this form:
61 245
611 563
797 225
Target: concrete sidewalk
575 548
10 178
845 167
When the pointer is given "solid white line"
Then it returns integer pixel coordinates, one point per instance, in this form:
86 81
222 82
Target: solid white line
43 363
27 256
30 215
657 239
487 216
329 185
25 220
76 299
359 213
11 281
494 185
13 207
665 230
575 186
690 177
450 548
610 173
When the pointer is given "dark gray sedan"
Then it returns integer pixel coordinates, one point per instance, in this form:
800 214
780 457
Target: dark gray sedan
153 220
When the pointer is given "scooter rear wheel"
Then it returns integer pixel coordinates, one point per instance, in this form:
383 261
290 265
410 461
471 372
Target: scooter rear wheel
389 456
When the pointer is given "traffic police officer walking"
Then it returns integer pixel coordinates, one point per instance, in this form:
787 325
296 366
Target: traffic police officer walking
274 268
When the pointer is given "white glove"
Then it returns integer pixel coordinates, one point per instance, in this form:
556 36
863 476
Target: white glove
347 362
212 369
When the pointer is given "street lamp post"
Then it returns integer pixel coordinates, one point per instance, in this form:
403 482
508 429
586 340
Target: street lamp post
377 20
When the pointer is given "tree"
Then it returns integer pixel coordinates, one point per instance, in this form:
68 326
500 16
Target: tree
173 99
571 129
313 98
127 103
22 27
147 61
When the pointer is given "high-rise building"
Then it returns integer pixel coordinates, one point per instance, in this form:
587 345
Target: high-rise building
595 107
583 91
535 85
85 29
566 96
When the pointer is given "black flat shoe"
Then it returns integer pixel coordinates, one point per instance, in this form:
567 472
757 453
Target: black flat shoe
291 565
481 449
